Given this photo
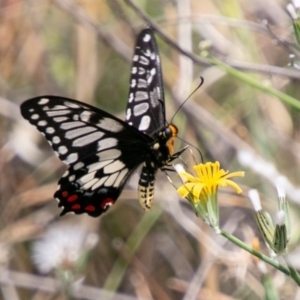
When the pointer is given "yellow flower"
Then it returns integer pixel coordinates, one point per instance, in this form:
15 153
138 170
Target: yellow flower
209 177
201 190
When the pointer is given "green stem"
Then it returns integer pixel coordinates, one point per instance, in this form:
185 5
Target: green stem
256 84
294 274
261 256
133 242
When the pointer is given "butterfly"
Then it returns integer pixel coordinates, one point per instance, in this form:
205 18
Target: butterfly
101 150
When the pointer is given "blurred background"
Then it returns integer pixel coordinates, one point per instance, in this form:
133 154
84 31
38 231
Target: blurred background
82 49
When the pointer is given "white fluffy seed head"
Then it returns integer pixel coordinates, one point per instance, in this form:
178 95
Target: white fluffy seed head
254 197
280 218
296 3
291 10
179 169
62 246
280 183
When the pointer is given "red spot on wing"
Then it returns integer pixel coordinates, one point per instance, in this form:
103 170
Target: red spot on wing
75 207
72 198
65 194
90 208
107 202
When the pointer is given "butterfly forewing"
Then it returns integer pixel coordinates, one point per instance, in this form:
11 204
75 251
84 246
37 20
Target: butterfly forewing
96 145
146 106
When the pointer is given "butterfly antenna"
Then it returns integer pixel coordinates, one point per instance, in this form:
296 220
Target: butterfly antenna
193 92
197 149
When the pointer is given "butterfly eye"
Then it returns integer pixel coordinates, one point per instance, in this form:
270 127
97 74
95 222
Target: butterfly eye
168 133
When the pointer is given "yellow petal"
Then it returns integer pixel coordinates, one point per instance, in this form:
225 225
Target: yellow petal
187 177
234 174
234 185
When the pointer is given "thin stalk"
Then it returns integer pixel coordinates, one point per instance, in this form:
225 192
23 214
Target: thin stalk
256 84
261 256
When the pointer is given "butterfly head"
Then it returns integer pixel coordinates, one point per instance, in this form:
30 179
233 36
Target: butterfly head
170 134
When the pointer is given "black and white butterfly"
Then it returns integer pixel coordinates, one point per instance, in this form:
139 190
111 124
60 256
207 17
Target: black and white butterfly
101 150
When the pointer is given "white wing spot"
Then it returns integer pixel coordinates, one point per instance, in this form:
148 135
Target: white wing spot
133 83
128 114
98 165
60 119
72 178
107 143
56 140
120 177
62 150
70 125
135 58
150 78
145 123
85 116
111 179
90 184
113 167
141 71
86 178
71 134
144 61
50 130
35 116
53 113
99 183
131 97
87 139
110 124
66 173
43 101
148 53
72 158
134 70
42 123
142 83
140 95
109 154
78 166
147 38
71 104
140 109
154 96
57 107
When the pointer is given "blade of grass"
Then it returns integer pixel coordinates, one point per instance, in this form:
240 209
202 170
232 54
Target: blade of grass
256 84
133 242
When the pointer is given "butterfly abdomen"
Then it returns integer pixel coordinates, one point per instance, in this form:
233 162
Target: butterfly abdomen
161 155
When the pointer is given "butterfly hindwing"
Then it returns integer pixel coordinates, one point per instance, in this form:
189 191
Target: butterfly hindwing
146 105
92 186
96 145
